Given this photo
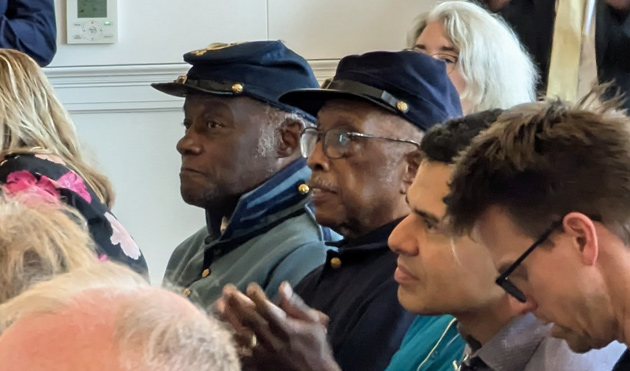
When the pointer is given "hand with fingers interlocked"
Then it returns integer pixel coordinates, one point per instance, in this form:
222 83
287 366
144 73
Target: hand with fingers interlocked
287 336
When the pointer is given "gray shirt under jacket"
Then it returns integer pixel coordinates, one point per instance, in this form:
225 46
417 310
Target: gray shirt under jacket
526 345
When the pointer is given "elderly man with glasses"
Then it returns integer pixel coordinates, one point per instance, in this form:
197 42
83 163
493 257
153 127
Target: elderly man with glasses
363 155
437 273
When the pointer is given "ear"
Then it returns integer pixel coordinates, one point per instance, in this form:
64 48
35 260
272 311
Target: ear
511 307
583 233
516 306
412 163
289 135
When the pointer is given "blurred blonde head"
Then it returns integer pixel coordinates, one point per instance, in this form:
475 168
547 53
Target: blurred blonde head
142 328
39 238
498 72
33 120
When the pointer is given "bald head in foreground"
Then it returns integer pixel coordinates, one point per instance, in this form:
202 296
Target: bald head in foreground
107 318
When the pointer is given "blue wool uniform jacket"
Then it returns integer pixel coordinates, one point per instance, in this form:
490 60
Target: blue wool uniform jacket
272 237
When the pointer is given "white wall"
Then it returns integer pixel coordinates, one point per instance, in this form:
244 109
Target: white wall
132 129
137 151
332 29
160 31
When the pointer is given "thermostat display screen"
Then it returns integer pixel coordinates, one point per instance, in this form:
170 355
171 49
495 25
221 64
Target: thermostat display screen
92 9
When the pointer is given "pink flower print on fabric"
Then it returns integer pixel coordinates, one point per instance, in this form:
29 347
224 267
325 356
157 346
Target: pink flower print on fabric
29 188
122 237
51 158
73 182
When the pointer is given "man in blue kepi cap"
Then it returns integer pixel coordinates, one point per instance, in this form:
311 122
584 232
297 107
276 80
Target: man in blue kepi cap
364 154
241 162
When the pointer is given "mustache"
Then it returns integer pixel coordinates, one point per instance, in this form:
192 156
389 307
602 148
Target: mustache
317 181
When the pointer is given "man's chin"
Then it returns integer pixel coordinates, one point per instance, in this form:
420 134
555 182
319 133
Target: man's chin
576 342
328 218
579 346
413 303
194 198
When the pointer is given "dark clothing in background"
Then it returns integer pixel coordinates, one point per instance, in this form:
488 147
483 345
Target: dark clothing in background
533 22
624 362
29 26
356 289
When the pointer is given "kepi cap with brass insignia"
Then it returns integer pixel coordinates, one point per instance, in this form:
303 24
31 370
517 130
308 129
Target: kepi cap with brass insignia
410 84
262 70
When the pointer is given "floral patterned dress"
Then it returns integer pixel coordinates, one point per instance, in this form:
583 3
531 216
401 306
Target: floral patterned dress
50 174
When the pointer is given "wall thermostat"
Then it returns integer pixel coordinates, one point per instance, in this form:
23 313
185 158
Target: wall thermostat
92 21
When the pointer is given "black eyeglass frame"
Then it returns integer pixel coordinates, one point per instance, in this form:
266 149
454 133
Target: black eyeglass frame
503 279
350 134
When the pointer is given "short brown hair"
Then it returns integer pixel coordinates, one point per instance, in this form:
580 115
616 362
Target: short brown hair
542 160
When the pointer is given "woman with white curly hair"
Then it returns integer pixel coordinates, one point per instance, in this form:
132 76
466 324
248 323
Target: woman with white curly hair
484 58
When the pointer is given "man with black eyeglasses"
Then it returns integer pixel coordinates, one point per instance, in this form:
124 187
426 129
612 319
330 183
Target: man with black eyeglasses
442 273
363 155
437 273
547 190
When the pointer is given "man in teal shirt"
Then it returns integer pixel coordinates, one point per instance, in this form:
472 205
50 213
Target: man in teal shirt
437 273
440 273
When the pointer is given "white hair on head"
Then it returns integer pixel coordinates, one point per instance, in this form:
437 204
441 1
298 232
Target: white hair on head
268 141
398 128
150 332
62 291
269 134
170 341
498 72
292 116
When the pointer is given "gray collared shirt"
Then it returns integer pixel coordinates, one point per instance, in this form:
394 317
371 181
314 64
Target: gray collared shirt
525 345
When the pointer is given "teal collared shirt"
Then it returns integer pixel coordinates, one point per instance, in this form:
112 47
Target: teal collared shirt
272 237
432 343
